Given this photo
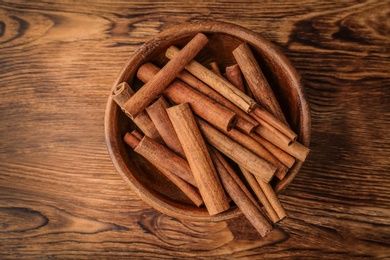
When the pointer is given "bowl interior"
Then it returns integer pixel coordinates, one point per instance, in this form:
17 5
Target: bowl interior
152 186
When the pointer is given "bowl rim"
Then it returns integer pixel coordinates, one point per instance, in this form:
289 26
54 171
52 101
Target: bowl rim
269 50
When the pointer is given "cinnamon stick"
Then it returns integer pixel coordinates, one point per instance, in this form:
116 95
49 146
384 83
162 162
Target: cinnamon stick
132 140
224 87
198 158
237 152
281 155
295 149
215 68
144 96
276 123
163 158
252 145
140 147
211 93
256 80
229 91
137 134
203 106
244 125
272 198
260 194
233 74
158 114
275 133
299 150
221 164
245 204
120 95
244 122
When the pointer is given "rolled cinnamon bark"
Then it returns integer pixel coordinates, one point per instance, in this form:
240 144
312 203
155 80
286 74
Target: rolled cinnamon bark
276 123
145 95
215 68
228 90
158 114
260 194
163 158
233 74
281 155
132 140
208 91
272 198
222 165
244 121
120 95
143 147
237 152
198 158
252 145
256 80
244 125
298 149
221 85
261 90
137 134
245 204
276 134
295 149
203 106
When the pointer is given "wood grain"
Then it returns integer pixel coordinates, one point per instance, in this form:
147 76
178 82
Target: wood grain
60 195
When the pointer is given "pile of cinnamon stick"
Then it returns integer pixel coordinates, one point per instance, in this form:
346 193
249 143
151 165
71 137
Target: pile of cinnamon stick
196 122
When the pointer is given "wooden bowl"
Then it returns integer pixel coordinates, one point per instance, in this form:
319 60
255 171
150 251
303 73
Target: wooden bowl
143 178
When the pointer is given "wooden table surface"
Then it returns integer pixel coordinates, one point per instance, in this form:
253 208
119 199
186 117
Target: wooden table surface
60 195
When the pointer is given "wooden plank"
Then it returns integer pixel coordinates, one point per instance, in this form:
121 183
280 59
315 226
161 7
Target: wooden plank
60 195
